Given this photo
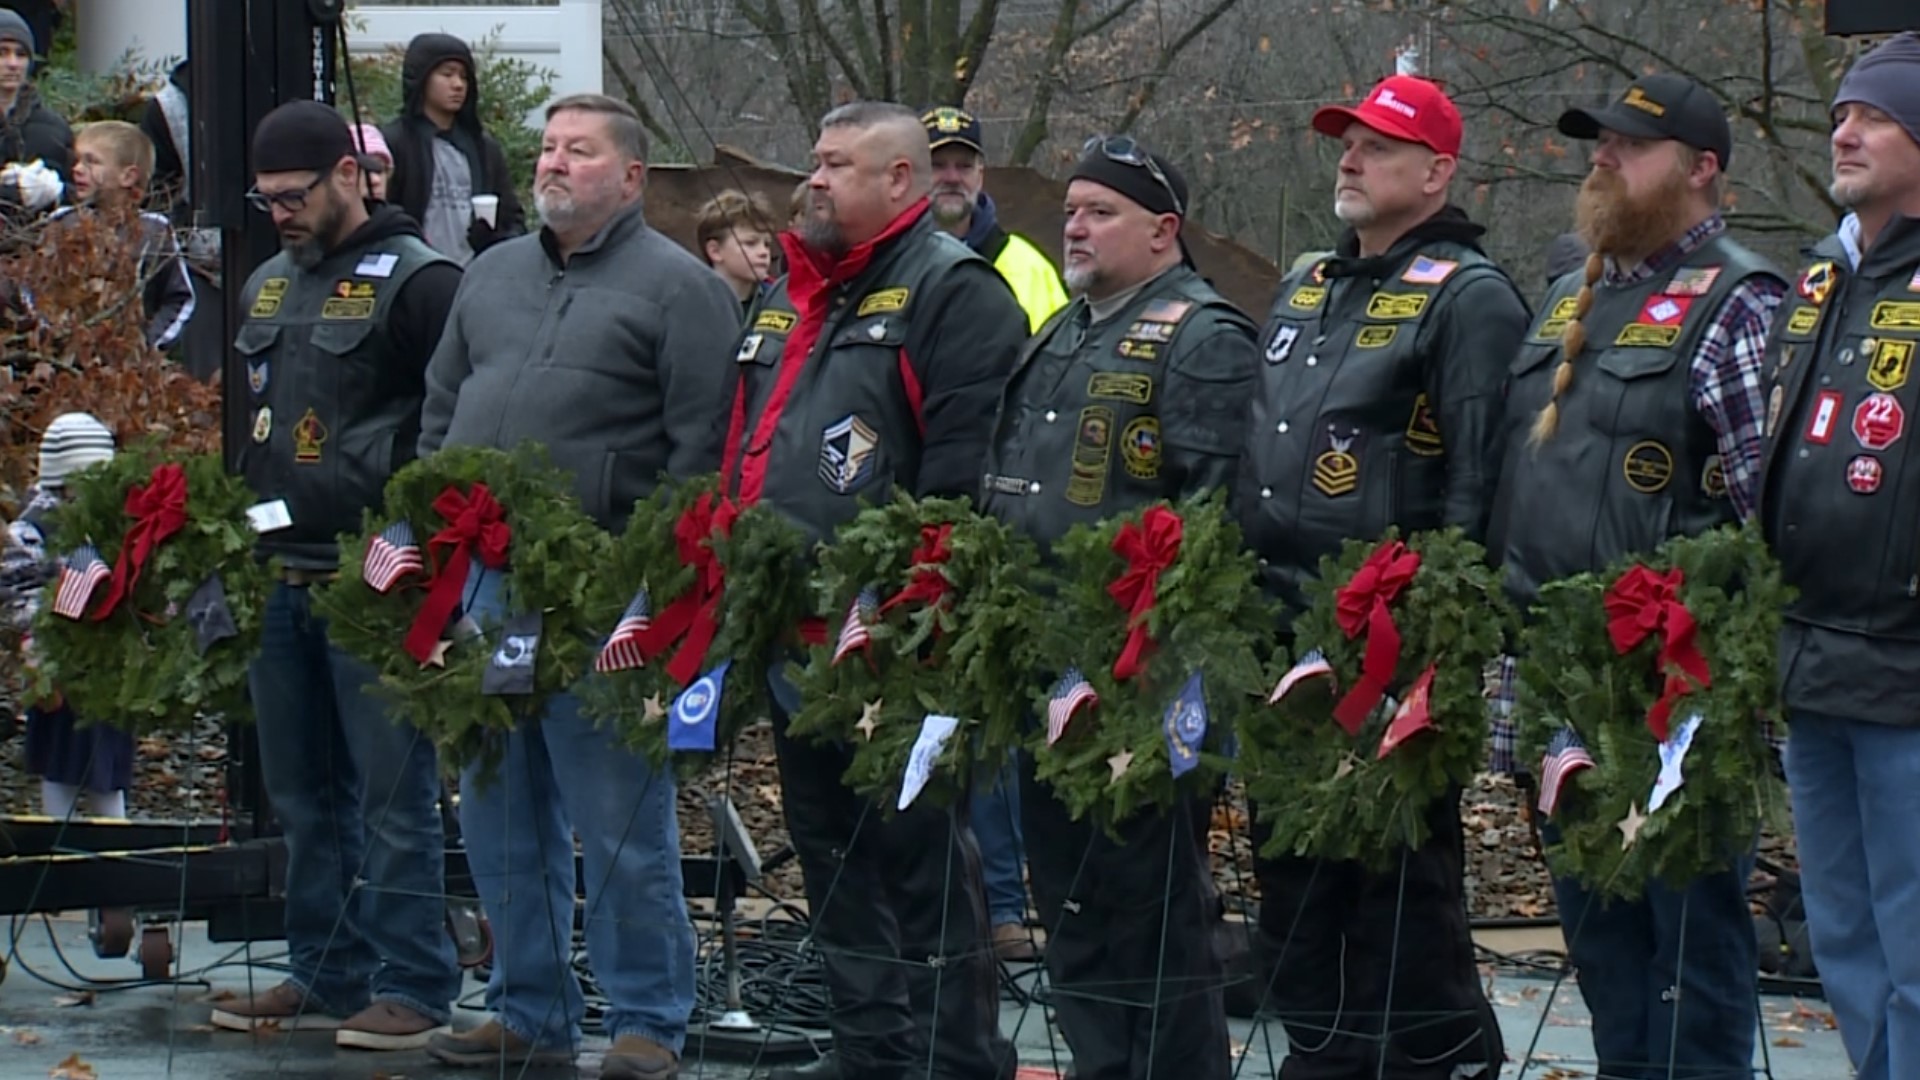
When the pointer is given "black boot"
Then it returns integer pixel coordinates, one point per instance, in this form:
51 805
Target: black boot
825 1068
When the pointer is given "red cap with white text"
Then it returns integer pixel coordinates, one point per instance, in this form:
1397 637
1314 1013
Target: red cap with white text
1402 107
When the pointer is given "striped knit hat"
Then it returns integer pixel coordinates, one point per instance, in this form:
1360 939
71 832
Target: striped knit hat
73 441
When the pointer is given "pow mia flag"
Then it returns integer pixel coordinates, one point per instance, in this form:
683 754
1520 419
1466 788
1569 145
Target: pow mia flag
208 613
510 669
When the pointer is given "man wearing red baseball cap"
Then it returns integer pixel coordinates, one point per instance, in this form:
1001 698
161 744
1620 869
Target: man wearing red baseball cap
1379 405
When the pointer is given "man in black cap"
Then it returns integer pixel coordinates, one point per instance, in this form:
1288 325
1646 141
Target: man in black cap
961 206
1837 501
1634 411
339 328
1136 391
29 130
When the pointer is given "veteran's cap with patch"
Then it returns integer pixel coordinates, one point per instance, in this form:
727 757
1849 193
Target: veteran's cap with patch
1662 106
946 125
1401 107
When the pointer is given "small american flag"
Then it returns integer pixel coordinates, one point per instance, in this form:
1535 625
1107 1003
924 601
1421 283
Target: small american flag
853 632
622 650
1425 271
81 574
1311 666
391 556
1565 755
1069 694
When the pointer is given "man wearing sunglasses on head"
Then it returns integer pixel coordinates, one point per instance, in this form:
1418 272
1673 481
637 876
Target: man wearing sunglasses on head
338 330
1135 391
1381 374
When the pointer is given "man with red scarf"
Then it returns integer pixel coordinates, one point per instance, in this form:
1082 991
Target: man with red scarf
873 366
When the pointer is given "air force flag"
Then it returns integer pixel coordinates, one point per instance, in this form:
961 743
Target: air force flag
696 712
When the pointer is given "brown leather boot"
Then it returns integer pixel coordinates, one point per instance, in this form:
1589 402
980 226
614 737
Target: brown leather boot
635 1058
491 1046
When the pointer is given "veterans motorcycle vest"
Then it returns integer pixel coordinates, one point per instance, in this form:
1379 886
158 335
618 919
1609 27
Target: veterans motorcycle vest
1632 462
334 407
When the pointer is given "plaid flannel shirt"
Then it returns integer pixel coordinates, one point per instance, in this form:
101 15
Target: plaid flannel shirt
1726 383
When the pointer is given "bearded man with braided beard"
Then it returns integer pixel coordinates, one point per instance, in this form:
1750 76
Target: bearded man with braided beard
1636 413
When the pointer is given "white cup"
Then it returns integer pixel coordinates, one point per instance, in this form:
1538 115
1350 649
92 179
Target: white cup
487 208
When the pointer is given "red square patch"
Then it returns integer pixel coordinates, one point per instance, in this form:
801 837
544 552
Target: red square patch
1665 310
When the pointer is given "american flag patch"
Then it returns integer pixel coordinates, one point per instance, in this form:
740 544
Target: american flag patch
1070 694
80 575
622 650
391 556
1693 281
1425 271
853 633
1565 755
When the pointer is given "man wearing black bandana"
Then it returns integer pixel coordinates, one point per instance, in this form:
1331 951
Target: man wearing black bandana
1379 406
1135 391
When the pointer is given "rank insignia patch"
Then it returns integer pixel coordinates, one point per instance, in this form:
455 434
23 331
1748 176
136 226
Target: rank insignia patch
847 451
1336 471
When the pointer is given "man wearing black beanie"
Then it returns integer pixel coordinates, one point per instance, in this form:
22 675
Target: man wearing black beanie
338 330
1136 391
1837 500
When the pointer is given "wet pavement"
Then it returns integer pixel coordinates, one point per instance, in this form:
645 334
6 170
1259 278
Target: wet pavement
126 1031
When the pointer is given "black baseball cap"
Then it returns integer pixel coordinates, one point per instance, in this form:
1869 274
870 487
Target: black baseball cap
947 124
1663 106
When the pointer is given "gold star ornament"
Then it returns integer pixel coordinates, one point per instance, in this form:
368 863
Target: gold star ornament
437 658
1120 763
870 718
1629 826
653 708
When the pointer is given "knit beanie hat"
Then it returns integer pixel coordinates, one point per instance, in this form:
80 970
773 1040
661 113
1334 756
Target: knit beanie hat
15 29
1888 78
374 143
72 442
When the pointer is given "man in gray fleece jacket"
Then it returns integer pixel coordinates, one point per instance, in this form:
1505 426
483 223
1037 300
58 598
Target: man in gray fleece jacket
613 346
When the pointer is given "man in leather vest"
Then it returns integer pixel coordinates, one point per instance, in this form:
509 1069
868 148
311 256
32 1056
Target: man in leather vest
1838 503
338 330
1379 405
1135 391
1634 415
873 366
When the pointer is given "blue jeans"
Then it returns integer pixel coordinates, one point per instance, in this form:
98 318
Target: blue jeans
563 777
1656 998
1856 797
355 793
995 817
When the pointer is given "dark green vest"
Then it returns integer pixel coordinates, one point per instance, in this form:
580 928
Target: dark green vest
335 409
1632 462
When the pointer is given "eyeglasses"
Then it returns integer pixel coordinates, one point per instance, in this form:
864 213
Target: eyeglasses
1126 151
292 201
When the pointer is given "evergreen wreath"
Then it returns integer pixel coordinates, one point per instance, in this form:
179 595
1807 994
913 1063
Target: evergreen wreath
722 584
138 664
1331 794
1137 638
945 598
1570 674
552 553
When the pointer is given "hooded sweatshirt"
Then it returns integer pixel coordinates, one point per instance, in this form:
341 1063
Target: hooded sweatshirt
413 139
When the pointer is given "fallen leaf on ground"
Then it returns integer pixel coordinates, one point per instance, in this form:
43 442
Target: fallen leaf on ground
68 1001
1788 1042
26 1037
73 1069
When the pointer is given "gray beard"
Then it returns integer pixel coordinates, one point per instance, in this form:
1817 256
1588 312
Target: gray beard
947 216
823 235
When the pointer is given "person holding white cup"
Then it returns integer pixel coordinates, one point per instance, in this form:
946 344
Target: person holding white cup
448 172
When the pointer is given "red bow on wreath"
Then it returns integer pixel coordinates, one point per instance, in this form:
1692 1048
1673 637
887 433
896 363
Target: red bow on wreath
696 614
158 509
928 584
1149 548
1641 604
475 522
1361 604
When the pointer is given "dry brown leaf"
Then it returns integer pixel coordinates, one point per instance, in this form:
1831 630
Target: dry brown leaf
1788 1042
26 1037
73 1069
68 1001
